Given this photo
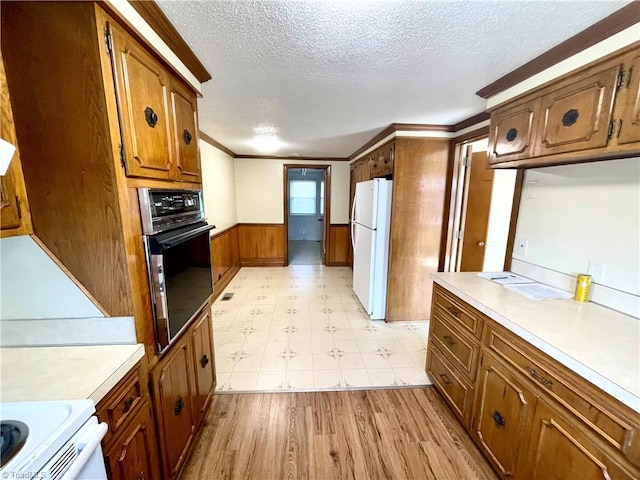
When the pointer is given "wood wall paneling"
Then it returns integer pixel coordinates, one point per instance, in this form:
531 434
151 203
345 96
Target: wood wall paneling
62 127
261 244
338 245
420 174
225 259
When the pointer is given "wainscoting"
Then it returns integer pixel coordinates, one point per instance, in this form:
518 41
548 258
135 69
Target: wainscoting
262 244
338 245
225 258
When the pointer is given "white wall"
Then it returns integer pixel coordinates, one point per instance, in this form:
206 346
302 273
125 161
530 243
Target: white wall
576 213
219 187
259 189
504 182
32 286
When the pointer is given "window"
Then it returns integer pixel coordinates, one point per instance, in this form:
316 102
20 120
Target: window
302 197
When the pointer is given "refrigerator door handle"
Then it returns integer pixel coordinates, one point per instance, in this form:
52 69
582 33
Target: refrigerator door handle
353 207
353 236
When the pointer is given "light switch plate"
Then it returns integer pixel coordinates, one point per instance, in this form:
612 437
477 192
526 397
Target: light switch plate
522 246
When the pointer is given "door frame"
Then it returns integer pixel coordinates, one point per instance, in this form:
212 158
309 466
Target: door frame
327 207
458 189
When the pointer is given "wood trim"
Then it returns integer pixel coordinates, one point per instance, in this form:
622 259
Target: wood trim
477 118
614 23
156 18
471 136
515 209
306 159
214 143
394 127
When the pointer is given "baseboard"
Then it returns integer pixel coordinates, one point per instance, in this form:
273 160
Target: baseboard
262 262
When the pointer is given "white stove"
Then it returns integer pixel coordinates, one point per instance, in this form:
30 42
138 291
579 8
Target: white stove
62 440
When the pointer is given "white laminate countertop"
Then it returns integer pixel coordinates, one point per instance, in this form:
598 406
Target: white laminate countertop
601 345
64 373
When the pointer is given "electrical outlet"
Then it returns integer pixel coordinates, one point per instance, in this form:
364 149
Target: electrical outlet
530 188
522 246
596 269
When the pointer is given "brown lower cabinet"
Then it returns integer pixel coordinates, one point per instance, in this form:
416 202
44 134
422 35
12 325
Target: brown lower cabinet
182 384
529 415
130 446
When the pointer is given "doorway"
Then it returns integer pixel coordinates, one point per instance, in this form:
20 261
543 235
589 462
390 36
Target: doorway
306 201
483 201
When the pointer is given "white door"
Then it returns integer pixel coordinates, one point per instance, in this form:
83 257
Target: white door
363 248
365 205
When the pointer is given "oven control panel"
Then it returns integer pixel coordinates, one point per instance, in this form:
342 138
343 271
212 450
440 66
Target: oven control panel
164 209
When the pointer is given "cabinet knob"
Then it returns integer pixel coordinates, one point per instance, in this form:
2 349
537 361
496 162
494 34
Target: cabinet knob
150 116
177 408
204 360
511 134
127 403
570 117
453 311
480 243
448 340
186 135
498 419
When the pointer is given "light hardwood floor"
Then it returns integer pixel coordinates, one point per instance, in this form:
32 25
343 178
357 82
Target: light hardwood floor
362 434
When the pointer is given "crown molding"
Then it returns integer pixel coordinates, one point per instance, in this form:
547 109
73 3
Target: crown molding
618 21
155 17
214 143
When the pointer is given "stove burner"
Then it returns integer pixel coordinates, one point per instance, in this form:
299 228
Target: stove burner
13 434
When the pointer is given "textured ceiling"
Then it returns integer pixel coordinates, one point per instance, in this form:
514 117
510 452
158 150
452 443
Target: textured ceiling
329 75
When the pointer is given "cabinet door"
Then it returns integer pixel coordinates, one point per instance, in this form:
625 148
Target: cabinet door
577 116
143 103
511 132
559 449
503 413
185 131
134 455
12 189
173 407
203 363
629 130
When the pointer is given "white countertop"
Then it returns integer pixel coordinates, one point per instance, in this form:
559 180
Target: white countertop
64 373
601 345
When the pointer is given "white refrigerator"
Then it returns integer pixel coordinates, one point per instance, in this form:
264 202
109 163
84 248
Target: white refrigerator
370 222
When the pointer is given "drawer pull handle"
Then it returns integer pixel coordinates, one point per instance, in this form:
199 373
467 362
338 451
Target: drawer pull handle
542 380
204 361
498 419
445 379
127 403
453 311
177 408
448 340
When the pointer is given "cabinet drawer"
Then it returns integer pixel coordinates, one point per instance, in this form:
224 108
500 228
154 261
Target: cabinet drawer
458 348
121 404
451 385
568 390
457 312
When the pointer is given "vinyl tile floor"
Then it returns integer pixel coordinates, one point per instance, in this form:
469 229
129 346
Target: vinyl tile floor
301 328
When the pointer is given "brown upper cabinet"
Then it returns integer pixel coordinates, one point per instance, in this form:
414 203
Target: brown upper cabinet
590 114
158 114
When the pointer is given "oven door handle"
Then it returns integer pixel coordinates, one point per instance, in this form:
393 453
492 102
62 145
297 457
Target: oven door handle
167 243
87 448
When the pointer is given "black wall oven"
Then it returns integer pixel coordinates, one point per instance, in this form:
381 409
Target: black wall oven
176 237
